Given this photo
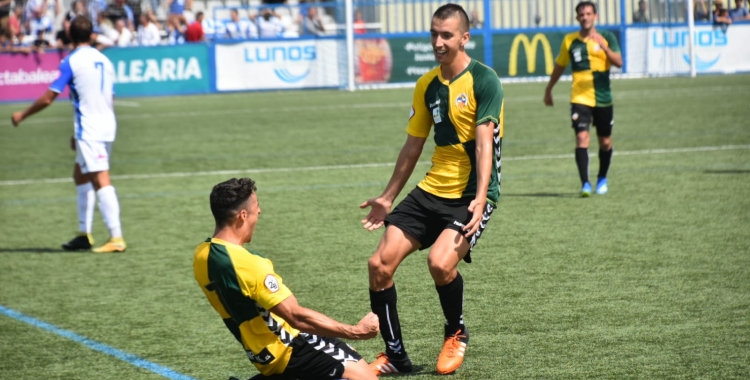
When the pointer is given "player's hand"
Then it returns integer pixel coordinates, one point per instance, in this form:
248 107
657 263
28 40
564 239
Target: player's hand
380 208
476 208
73 143
596 37
548 99
369 325
16 118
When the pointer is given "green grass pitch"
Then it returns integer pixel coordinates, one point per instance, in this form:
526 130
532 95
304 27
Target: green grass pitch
651 281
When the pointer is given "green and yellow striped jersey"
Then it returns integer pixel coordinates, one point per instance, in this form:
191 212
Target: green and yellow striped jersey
455 108
242 287
590 68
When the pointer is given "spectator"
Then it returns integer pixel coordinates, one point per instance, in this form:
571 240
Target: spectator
313 23
15 25
721 16
135 7
4 14
194 32
39 23
359 23
269 26
176 20
238 29
7 45
31 8
474 20
125 36
40 43
739 13
119 10
700 9
63 37
107 29
148 32
94 8
640 16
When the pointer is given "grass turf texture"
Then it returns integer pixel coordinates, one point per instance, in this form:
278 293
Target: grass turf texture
649 281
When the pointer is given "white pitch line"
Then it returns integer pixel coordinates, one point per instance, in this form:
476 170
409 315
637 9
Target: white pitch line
360 166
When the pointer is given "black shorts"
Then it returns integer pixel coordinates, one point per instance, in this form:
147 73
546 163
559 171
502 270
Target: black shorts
316 357
581 117
424 216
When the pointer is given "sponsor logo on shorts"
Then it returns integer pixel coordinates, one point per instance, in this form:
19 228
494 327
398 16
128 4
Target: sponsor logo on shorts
263 357
271 283
457 223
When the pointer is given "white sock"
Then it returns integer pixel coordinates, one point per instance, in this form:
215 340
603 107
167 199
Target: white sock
110 209
85 207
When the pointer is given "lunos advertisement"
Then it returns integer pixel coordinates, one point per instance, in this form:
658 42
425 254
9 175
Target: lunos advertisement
667 50
27 76
251 65
142 71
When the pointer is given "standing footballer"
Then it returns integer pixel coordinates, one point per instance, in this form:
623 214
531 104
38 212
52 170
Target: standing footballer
448 210
90 77
591 54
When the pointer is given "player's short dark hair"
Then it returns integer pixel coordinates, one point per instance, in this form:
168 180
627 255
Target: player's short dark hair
584 4
198 15
453 10
81 29
228 197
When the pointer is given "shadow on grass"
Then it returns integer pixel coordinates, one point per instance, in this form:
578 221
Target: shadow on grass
731 171
34 250
540 195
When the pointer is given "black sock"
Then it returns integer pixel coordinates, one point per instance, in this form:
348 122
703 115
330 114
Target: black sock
582 160
605 158
452 300
383 303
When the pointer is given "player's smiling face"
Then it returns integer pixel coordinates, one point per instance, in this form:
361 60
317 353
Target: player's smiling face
447 39
586 17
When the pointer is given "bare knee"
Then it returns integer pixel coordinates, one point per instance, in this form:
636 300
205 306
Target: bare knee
381 276
442 272
605 143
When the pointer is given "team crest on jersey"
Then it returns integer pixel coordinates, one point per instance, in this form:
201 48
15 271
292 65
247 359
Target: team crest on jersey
461 101
271 283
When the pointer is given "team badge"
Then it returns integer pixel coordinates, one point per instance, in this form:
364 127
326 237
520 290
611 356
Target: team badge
436 111
461 101
271 283
575 116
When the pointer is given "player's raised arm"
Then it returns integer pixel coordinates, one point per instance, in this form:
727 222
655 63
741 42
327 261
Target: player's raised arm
313 322
381 206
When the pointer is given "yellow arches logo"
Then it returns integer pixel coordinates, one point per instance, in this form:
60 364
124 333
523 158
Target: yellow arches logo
530 48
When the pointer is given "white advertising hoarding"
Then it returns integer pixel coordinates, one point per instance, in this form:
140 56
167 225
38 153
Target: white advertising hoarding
662 50
278 65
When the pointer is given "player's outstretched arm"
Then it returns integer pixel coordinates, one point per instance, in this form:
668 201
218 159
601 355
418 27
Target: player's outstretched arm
484 152
381 206
313 322
41 103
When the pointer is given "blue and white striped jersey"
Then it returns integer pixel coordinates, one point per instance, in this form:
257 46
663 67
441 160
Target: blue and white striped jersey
91 78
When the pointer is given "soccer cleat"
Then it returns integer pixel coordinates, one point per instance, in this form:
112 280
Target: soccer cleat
601 186
82 242
112 245
586 190
384 365
452 355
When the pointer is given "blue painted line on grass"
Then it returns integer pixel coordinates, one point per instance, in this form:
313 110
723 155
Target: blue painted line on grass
103 348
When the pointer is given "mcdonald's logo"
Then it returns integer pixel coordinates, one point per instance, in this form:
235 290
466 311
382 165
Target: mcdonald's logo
530 48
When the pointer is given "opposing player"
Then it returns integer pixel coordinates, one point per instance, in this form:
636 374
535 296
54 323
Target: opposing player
451 206
591 54
280 337
90 77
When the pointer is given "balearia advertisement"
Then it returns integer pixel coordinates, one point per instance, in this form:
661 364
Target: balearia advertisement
163 70
251 65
